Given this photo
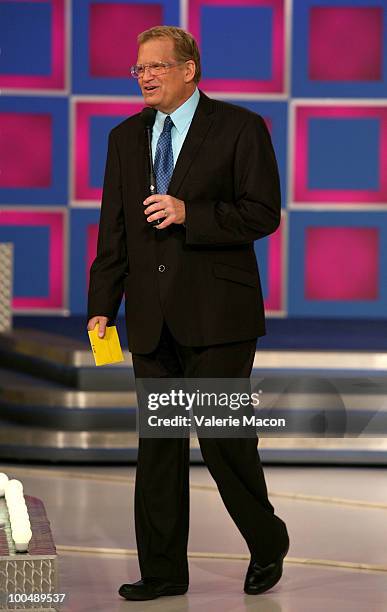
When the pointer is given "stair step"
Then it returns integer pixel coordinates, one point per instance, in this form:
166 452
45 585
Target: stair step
18 443
28 400
64 360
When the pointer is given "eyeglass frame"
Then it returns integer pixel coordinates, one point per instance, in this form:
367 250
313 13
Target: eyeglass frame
166 66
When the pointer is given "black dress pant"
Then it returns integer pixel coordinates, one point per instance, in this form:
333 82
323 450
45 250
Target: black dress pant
162 476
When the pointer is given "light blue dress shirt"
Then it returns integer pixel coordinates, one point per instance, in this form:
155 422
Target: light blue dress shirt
181 118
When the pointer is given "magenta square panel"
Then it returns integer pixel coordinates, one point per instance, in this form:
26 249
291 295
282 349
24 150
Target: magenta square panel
244 85
113 35
303 118
342 263
55 223
346 43
25 150
84 112
57 36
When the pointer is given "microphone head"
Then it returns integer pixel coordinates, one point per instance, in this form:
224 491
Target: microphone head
148 116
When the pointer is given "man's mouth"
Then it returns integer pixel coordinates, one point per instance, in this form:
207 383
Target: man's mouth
150 88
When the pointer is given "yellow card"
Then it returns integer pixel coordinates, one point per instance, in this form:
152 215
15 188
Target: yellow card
107 349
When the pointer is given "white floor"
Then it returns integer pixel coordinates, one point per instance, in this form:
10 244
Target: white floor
336 518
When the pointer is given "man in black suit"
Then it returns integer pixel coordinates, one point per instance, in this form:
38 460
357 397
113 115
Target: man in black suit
193 304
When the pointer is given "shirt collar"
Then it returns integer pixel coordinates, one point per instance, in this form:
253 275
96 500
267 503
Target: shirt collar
183 115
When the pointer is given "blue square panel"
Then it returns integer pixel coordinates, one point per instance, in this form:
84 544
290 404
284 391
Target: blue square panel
31 274
300 224
237 42
344 153
25 26
316 43
47 149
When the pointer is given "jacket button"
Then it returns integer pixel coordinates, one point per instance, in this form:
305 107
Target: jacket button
161 268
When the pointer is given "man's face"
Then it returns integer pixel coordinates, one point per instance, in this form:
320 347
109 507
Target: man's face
167 91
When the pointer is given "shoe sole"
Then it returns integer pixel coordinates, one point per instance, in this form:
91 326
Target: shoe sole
166 593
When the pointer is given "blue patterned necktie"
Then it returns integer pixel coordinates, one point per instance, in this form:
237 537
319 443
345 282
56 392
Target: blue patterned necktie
163 165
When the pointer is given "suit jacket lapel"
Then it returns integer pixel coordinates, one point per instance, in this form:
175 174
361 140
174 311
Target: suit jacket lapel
142 161
197 132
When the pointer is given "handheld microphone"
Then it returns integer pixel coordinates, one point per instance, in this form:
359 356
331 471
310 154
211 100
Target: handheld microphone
148 116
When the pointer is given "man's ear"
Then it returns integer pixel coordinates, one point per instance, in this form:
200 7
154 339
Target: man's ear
190 70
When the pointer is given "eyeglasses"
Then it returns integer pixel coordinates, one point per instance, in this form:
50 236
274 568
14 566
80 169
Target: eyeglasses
155 68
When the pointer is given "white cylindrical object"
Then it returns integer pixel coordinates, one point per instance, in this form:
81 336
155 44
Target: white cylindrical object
18 508
13 494
20 522
22 535
14 502
18 511
15 485
21 540
19 516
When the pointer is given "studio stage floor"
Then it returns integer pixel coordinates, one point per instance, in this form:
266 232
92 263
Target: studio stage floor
336 519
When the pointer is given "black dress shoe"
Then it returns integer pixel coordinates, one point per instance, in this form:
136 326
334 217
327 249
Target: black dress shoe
151 588
259 579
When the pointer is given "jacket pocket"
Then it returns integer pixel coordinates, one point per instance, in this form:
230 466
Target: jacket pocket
237 275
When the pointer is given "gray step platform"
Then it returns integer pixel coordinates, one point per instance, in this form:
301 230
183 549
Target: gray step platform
71 363
31 401
19 443
63 360
56 405
311 405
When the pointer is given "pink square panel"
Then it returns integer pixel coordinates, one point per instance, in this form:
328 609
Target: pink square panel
25 149
55 222
346 43
302 192
113 35
342 263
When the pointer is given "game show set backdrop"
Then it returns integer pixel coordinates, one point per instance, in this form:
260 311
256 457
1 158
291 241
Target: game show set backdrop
316 70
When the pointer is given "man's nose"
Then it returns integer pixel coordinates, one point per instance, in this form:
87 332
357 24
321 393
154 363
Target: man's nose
147 73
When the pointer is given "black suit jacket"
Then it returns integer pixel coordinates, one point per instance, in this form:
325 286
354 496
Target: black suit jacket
202 278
